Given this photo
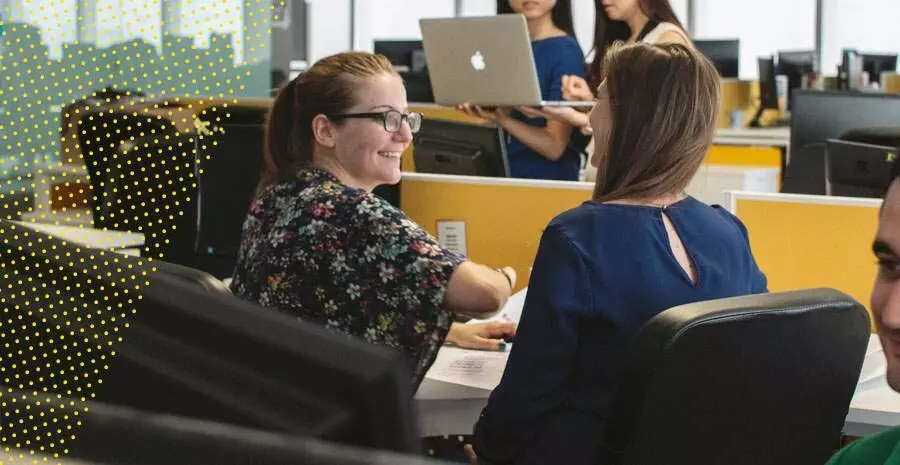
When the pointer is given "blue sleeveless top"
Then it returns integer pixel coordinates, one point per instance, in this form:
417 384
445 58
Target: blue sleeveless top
554 57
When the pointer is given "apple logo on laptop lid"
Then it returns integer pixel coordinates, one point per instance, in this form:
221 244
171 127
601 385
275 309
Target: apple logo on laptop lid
478 61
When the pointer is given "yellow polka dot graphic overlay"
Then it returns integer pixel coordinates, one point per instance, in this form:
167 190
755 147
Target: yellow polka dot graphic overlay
109 110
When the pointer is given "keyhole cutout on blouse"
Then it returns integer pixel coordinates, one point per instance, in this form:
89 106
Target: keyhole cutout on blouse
678 250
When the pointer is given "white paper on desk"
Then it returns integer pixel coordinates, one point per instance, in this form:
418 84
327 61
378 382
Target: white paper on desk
874 365
475 368
512 311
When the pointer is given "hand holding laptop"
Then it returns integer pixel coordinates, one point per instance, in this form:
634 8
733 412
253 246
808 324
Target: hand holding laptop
569 115
492 114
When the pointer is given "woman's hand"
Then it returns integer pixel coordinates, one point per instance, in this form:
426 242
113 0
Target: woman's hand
576 88
481 336
496 115
568 115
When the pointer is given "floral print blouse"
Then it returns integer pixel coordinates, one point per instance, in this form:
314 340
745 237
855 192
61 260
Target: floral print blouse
344 258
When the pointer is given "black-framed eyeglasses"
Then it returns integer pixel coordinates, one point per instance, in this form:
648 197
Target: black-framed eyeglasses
391 119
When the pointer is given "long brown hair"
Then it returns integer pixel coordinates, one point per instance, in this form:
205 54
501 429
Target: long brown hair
326 88
561 14
665 101
608 31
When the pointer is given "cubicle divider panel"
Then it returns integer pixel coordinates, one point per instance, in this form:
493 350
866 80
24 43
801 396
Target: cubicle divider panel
761 156
494 221
809 241
434 111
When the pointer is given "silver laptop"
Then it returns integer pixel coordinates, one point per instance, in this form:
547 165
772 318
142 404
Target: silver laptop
486 61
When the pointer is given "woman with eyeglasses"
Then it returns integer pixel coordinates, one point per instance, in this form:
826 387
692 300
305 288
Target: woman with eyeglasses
318 244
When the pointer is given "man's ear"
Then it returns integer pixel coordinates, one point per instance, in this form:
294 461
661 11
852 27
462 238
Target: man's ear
323 131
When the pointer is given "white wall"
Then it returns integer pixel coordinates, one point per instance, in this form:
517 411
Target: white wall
479 7
763 26
395 19
399 19
329 28
54 19
584 14
866 25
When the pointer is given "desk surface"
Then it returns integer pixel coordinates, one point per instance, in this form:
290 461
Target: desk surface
777 137
448 408
90 237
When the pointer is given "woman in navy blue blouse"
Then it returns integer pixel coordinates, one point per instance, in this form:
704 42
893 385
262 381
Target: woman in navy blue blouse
641 246
538 148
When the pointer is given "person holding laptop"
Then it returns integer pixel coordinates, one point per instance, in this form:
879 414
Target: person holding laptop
538 148
883 448
317 244
603 269
629 21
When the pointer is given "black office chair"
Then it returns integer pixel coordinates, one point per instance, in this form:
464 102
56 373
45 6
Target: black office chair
886 136
101 135
151 189
763 379
229 161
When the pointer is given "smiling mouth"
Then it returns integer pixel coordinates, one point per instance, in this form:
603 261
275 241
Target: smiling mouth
391 155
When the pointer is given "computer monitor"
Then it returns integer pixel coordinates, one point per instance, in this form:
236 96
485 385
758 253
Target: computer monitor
452 147
406 55
418 86
768 88
796 65
855 169
182 350
821 115
851 70
875 64
724 54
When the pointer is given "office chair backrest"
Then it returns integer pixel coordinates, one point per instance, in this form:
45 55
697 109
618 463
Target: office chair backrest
103 133
887 136
151 190
746 380
229 160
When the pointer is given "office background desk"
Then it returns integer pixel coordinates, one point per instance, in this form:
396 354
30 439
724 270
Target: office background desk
452 409
765 137
119 241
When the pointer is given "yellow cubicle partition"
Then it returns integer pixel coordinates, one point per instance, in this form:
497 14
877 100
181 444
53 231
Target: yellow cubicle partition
743 96
744 155
502 219
809 241
799 241
890 82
